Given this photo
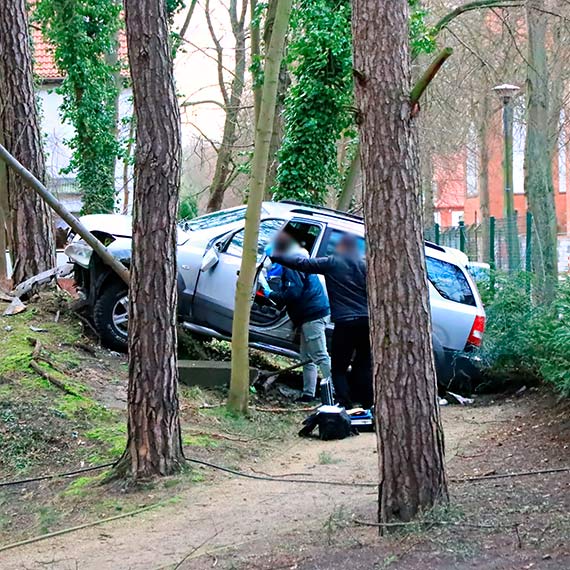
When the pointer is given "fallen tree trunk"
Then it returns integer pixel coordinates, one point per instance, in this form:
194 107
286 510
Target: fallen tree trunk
65 215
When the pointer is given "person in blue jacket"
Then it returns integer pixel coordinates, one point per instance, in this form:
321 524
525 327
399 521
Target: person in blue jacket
307 305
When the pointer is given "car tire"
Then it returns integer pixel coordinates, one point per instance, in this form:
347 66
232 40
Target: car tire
110 317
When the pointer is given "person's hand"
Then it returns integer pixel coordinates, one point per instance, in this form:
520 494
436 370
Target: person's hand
266 290
269 249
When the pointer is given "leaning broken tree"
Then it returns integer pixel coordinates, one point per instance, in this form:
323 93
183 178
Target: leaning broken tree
154 444
32 243
408 425
239 387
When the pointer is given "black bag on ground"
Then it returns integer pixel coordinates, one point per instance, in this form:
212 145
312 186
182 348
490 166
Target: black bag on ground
333 423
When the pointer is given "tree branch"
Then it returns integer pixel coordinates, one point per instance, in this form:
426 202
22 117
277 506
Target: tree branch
429 74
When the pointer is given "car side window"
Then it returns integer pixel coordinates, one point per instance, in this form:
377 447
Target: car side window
449 281
267 229
332 239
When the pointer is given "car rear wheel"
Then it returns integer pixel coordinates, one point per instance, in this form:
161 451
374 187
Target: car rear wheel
111 317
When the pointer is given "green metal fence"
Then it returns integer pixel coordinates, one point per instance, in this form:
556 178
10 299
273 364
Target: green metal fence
504 244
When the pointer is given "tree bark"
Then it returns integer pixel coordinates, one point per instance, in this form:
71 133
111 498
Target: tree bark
255 56
408 425
4 210
353 176
426 165
239 387
31 226
484 179
232 103
154 445
539 185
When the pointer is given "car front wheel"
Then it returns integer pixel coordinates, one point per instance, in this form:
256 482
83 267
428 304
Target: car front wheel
111 317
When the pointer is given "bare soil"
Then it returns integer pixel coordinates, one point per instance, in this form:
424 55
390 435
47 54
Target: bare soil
236 523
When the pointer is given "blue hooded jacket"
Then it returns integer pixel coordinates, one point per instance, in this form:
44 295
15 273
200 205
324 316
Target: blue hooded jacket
302 294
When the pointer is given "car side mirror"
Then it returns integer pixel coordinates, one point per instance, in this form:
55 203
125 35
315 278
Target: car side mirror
210 259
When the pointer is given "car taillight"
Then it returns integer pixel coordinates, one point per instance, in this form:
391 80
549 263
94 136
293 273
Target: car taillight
476 334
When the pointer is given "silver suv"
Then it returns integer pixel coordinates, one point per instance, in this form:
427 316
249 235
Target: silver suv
209 257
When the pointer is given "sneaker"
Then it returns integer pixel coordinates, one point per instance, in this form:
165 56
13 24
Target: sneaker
305 399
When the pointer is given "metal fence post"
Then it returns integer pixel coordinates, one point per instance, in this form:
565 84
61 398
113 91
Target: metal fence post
462 236
436 233
492 253
528 253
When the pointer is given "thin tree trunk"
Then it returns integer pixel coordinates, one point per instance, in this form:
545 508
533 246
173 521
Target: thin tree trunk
4 210
31 226
408 426
484 179
426 165
538 157
239 388
232 103
255 57
127 165
154 445
112 59
353 176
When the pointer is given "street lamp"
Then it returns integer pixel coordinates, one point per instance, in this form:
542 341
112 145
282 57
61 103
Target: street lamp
506 93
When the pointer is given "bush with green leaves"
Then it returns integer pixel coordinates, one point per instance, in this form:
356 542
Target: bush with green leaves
526 343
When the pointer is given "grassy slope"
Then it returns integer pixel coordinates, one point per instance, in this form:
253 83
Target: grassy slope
45 430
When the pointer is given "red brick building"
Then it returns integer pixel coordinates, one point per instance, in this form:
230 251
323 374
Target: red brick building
456 183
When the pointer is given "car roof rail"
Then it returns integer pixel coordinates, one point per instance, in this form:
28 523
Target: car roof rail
434 246
323 209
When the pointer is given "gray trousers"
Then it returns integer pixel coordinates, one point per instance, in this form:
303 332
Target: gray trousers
314 348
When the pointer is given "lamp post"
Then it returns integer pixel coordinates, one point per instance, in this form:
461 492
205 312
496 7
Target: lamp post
506 93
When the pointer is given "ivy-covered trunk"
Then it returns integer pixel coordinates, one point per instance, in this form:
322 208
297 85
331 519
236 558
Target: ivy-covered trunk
32 241
538 157
239 386
84 36
317 106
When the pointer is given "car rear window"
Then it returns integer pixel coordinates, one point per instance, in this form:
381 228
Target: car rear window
449 281
335 236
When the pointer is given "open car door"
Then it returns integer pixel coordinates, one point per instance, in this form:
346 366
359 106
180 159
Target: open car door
214 297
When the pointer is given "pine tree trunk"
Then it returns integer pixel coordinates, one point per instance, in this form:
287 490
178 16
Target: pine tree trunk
31 226
408 426
426 162
154 444
538 157
239 387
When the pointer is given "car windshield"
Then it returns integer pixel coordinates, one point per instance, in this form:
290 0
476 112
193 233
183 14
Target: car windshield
449 281
214 220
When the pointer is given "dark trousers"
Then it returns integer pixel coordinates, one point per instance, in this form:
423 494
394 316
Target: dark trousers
351 346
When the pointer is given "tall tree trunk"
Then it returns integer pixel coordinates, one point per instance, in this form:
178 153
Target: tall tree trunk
353 176
232 103
31 226
239 386
154 445
484 179
255 60
408 424
4 210
538 157
426 166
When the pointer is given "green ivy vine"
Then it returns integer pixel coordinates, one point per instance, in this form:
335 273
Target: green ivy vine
319 104
83 33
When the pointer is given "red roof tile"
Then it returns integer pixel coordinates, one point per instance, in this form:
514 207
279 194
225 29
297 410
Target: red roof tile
44 62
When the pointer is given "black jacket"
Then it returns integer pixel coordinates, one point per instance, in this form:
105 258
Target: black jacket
303 296
345 277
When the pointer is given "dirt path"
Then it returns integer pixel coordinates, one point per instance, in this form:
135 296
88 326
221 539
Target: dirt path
238 514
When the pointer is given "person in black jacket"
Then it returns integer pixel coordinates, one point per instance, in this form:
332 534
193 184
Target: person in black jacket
345 277
308 308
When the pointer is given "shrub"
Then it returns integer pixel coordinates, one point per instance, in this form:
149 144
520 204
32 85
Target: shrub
525 342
